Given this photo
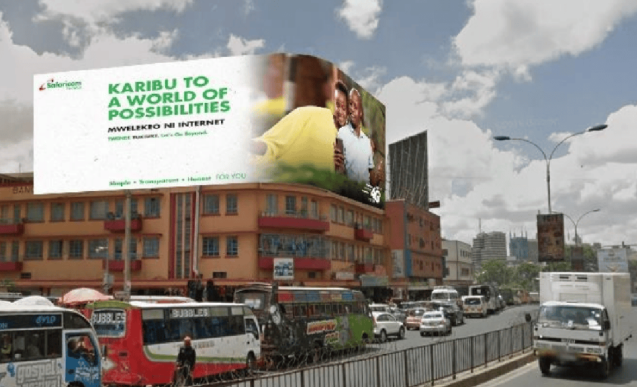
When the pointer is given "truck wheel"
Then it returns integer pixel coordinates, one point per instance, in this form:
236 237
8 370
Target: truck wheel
545 365
618 356
605 368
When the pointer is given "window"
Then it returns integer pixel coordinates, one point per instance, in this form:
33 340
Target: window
76 249
304 205
15 251
35 212
151 247
290 205
132 250
4 215
98 248
55 249
231 204
350 253
334 250
311 274
17 217
272 204
77 211
219 274
152 208
211 204
3 251
211 246
341 215
349 218
314 209
98 210
119 208
368 223
57 212
33 250
232 246
333 212
341 253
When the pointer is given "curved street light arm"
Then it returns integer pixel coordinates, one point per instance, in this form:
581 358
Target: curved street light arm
561 142
580 218
534 144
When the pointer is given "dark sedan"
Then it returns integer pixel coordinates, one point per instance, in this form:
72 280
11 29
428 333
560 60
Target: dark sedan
451 311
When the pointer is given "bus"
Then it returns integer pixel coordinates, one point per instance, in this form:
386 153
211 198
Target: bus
490 295
47 346
142 339
162 299
302 322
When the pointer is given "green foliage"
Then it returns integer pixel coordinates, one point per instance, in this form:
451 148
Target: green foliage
495 272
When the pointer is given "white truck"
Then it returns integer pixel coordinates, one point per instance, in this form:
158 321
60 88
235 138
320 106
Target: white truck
583 320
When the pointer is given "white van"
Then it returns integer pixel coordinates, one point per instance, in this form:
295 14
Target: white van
446 294
475 306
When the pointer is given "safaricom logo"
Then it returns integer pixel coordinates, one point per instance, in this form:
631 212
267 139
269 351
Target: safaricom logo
52 84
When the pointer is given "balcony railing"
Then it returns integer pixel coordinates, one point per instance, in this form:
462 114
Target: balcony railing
300 263
10 226
10 266
363 234
117 265
301 220
116 223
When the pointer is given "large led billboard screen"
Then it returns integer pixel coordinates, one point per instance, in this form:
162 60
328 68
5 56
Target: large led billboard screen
550 237
272 118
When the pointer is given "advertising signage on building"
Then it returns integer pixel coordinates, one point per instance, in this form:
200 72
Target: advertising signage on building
550 237
283 269
273 118
613 260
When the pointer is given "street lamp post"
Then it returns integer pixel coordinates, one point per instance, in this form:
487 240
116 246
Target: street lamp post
595 128
578 220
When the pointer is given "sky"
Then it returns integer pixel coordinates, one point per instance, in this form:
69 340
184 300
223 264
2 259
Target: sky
464 71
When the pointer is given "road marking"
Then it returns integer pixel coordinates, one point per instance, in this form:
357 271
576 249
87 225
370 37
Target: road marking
506 378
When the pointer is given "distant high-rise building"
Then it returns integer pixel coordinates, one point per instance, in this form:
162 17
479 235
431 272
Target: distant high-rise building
488 246
519 247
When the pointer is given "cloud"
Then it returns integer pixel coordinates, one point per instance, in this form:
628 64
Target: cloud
475 179
362 16
94 12
346 66
519 34
240 46
248 7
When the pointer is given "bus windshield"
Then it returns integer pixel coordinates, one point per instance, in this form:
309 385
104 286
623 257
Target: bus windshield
109 322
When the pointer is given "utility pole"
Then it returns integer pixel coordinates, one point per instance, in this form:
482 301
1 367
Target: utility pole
127 227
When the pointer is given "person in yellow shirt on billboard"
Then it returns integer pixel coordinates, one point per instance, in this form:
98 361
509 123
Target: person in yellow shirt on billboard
306 136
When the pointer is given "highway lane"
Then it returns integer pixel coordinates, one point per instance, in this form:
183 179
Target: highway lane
511 316
530 375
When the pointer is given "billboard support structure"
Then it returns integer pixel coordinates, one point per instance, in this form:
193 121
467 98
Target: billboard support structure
127 227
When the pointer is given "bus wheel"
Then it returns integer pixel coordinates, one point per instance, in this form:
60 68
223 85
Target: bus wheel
251 364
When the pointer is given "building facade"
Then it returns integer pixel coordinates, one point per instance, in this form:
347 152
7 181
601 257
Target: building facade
416 250
488 246
458 261
519 247
228 234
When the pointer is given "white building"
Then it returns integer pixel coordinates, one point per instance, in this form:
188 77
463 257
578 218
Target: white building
458 261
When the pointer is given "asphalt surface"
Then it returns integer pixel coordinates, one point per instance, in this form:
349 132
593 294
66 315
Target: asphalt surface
511 316
530 375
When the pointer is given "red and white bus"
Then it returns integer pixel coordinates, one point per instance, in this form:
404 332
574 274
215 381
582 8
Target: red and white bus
142 339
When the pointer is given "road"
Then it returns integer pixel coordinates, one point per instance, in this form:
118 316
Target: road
530 376
512 315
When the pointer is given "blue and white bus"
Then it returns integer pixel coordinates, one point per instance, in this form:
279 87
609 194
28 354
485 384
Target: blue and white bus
47 346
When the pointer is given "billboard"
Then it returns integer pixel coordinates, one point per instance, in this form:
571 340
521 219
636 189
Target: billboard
550 237
283 269
614 260
272 118
409 170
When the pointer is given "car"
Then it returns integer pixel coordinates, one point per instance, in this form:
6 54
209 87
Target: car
385 324
398 313
633 300
379 308
475 306
434 322
412 321
451 311
503 303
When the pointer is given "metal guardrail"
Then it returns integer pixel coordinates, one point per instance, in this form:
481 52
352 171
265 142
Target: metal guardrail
405 368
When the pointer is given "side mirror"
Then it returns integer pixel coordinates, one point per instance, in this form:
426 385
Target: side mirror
606 325
527 317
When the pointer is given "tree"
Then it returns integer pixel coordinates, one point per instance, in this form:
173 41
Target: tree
525 274
495 272
557 266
